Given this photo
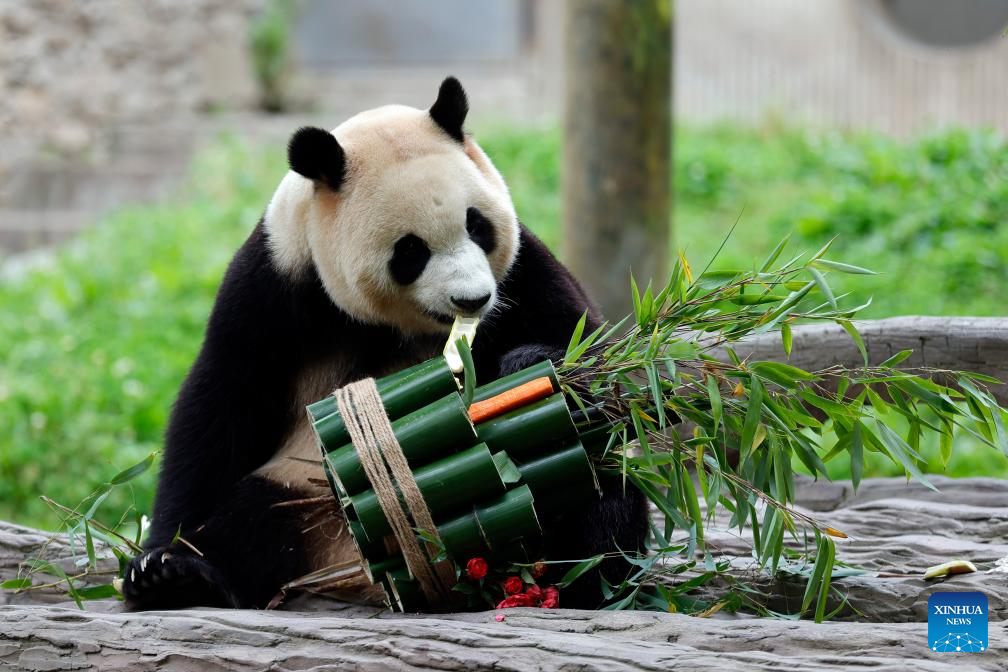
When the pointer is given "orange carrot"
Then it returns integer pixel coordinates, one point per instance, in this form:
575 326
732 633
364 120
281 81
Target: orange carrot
516 397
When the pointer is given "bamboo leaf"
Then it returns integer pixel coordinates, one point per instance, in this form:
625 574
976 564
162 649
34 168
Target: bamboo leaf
842 268
786 338
575 338
784 375
829 548
714 394
896 359
134 471
824 287
776 253
579 569
857 455
16 584
849 327
752 417
102 592
89 544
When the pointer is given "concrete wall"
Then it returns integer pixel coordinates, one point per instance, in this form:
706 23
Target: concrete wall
830 62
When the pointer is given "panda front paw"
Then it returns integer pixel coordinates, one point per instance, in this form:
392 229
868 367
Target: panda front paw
170 578
525 356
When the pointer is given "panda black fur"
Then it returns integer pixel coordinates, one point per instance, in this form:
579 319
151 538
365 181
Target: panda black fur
310 303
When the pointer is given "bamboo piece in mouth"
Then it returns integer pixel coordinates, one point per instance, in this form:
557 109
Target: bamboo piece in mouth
516 397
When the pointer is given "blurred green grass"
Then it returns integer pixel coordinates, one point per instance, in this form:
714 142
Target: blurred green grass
95 340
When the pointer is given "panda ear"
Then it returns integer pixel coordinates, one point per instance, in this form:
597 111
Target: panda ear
316 154
451 107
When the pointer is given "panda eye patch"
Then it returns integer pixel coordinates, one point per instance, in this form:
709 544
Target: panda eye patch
480 230
409 258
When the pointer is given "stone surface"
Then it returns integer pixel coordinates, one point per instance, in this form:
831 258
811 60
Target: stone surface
898 530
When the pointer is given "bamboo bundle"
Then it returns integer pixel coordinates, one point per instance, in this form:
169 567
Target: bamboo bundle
489 472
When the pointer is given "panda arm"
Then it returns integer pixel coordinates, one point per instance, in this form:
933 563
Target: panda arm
234 404
539 304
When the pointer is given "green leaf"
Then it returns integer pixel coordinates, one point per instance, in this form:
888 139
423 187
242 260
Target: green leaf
830 550
900 450
776 253
842 268
625 603
784 375
89 545
575 338
16 584
896 359
714 394
785 331
849 327
129 474
752 417
857 455
102 592
824 287
579 569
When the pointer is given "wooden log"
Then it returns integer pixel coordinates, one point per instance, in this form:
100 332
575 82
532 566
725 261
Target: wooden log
978 344
39 638
894 525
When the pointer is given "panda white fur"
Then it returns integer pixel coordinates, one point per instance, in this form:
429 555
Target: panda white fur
383 230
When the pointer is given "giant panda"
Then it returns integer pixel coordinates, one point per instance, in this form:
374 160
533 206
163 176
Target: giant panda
382 231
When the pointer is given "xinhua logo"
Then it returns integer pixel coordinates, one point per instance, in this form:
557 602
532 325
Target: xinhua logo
957 622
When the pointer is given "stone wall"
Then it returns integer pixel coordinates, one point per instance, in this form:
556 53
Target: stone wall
74 75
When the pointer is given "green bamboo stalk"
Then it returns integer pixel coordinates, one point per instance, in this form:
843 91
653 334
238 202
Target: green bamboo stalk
561 480
369 549
425 434
377 569
405 590
401 393
504 384
511 516
526 432
445 485
462 537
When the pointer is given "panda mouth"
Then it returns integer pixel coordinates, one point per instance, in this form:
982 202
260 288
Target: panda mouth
440 317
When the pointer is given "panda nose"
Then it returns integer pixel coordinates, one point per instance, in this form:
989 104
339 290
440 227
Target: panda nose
471 305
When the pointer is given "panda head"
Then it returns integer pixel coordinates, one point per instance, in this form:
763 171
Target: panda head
402 215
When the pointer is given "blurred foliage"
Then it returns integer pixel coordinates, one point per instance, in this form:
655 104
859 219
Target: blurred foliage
95 340
269 45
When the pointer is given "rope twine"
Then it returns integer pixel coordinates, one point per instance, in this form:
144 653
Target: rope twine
386 467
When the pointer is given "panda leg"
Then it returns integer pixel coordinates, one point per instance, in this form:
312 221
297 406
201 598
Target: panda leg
617 522
240 557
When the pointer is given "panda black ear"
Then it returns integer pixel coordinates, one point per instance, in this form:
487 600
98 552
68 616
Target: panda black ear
451 107
316 154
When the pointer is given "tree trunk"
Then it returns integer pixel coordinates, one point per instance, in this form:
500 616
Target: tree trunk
617 128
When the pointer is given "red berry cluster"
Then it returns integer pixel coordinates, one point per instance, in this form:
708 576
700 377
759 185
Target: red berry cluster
516 592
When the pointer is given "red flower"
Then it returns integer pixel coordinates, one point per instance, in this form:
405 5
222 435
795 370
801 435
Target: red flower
551 598
538 569
519 600
535 593
513 585
476 569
